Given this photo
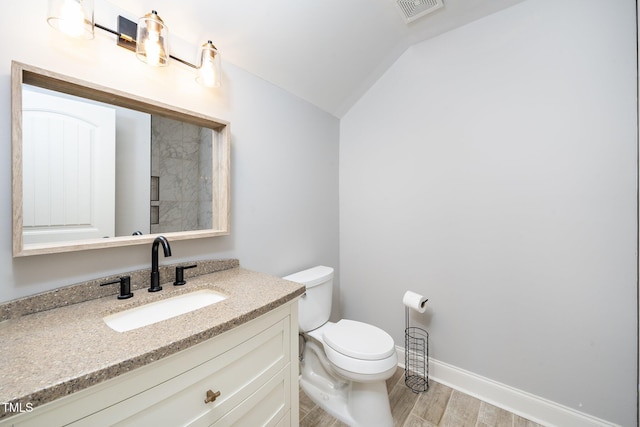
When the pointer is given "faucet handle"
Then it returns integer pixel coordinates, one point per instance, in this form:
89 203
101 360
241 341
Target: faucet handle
180 274
125 287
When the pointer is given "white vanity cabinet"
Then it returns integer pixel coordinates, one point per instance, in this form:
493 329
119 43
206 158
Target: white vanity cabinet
253 367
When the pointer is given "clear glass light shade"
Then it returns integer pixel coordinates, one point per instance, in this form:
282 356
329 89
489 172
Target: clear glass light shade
152 40
72 17
208 65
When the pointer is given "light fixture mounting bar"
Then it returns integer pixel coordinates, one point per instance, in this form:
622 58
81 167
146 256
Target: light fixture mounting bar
182 61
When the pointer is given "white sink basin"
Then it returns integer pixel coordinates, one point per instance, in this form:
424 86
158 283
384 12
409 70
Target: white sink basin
153 312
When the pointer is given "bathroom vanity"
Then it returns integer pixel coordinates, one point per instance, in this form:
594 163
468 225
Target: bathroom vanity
231 362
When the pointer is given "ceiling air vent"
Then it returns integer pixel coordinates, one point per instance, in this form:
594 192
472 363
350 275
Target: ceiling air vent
414 9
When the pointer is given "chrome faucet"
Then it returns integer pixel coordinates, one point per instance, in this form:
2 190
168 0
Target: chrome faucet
155 274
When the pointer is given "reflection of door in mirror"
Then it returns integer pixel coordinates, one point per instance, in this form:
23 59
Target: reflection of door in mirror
68 169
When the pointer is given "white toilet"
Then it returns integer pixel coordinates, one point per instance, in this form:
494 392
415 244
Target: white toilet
344 365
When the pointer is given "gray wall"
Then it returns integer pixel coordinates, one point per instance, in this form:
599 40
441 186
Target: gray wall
493 169
284 160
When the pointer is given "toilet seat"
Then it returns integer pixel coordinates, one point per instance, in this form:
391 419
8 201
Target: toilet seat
359 340
357 348
347 366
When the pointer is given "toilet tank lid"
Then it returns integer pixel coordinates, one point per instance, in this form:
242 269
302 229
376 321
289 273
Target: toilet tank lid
312 276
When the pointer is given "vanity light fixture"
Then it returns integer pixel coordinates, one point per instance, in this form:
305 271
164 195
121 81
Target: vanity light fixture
72 17
149 38
208 65
152 45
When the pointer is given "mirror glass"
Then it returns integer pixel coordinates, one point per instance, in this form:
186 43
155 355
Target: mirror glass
95 167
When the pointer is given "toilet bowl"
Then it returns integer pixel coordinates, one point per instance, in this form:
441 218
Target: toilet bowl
344 365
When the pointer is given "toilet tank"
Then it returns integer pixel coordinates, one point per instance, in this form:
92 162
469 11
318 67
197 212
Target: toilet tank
315 305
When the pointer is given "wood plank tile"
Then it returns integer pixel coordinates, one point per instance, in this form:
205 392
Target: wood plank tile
492 416
439 406
462 411
518 421
432 403
413 421
317 418
402 400
306 404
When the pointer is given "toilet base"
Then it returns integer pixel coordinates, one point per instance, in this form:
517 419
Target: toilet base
363 404
358 404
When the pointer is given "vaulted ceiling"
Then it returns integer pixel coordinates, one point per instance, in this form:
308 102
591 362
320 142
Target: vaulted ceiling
327 52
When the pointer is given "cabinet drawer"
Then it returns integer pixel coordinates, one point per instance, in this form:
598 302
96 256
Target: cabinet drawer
266 407
236 374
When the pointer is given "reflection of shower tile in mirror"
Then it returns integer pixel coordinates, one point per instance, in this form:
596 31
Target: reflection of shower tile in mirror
155 158
159 129
205 215
190 189
205 187
155 188
170 217
190 216
167 137
206 139
191 151
171 149
191 140
205 166
182 158
166 128
170 179
155 215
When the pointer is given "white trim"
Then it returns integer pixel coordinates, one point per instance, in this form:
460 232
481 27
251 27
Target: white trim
527 405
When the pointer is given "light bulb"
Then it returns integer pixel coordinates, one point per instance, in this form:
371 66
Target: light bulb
209 66
152 49
152 45
208 73
74 18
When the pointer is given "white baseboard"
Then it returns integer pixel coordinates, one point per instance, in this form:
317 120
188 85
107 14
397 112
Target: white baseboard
527 405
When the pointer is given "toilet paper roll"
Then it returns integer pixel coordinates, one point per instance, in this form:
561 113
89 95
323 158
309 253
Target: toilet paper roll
415 301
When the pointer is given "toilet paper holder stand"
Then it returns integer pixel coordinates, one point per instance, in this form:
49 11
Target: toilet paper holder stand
416 357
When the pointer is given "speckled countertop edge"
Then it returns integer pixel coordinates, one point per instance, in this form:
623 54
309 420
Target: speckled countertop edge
50 354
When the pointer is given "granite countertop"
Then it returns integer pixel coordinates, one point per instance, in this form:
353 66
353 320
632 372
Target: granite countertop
53 353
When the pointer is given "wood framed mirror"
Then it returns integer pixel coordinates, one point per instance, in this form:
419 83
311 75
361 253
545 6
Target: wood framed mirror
94 167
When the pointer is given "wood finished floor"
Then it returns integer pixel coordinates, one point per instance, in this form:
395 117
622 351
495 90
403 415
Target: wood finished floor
439 406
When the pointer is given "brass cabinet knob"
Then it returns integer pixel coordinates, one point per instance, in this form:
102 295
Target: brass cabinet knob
211 396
